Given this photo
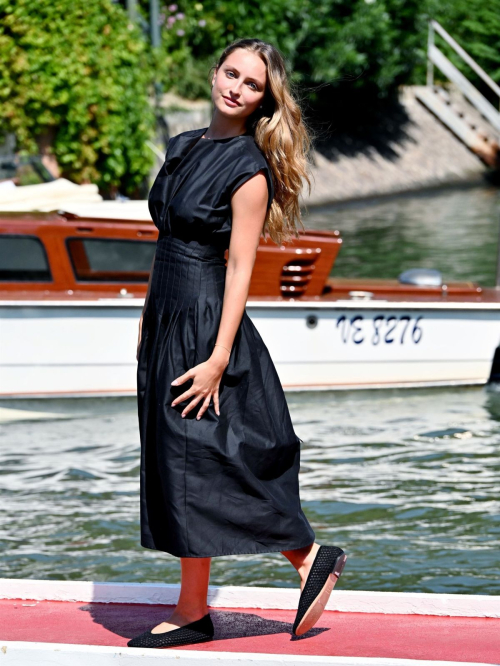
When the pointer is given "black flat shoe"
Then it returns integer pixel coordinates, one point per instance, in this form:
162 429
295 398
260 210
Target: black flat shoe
325 571
194 632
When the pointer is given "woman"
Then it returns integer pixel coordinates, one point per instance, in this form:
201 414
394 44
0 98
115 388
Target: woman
223 479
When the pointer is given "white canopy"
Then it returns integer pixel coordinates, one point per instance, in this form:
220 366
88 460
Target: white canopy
62 194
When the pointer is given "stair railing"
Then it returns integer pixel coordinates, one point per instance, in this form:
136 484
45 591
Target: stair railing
438 59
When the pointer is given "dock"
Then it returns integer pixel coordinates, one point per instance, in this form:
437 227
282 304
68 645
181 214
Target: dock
73 622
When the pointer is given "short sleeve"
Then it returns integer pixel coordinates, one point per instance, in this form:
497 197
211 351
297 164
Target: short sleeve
249 169
170 155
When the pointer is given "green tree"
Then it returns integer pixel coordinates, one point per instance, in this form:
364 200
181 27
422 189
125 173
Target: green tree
75 75
372 44
346 58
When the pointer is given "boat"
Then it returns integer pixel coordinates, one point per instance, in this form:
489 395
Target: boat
72 622
63 194
72 288
56 193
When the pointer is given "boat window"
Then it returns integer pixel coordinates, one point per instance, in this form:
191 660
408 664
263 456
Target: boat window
111 260
23 259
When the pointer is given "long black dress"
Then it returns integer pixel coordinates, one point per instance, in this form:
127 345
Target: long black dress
227 483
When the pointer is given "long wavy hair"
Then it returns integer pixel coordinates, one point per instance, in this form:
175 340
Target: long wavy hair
281 133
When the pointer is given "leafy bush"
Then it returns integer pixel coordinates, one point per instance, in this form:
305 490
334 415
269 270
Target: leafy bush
75 75
370 43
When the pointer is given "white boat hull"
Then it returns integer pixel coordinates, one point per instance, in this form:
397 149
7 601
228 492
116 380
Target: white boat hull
88 348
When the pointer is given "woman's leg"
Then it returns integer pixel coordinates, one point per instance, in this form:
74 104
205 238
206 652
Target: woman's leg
302 559
192 603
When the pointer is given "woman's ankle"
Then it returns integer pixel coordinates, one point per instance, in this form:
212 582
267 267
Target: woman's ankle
189 612
301 558
304 569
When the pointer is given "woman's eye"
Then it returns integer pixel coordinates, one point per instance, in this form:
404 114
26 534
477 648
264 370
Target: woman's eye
251 82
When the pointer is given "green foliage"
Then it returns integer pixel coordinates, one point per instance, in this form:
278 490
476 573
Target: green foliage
372 44
75 74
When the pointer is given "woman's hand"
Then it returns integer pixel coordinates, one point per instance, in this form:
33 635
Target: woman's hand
206 379
139 340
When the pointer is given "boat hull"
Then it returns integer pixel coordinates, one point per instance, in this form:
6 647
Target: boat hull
88 348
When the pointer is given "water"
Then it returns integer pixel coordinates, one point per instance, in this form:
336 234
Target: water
454 230
404 480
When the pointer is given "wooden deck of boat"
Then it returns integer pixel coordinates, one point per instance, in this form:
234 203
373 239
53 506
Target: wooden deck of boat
388 292
297 273
248 634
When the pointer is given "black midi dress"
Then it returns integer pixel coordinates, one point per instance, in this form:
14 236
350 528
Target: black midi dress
224 484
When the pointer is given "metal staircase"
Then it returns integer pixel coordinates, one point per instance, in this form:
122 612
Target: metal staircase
462 108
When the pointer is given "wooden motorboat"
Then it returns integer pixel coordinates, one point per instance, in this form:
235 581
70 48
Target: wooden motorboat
72 289
74 622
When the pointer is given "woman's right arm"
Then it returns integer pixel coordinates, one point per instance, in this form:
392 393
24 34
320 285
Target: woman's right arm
145 306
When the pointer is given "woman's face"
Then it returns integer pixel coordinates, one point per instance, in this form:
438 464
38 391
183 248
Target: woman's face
239 84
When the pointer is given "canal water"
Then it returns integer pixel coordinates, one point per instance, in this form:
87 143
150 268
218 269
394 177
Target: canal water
454 230
406 481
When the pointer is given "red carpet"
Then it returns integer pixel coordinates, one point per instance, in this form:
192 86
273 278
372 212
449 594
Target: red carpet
269 631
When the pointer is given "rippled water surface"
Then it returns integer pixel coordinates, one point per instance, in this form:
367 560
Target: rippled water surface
454 230
406 481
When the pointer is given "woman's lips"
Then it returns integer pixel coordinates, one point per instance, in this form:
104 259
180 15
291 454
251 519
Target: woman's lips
230 102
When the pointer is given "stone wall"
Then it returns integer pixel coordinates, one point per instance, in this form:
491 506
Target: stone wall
423 154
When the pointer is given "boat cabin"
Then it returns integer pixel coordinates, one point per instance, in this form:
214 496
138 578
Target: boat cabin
63 255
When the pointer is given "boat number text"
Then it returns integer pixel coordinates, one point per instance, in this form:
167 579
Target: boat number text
383 329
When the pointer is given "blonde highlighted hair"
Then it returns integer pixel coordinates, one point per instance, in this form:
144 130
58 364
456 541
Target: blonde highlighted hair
280 132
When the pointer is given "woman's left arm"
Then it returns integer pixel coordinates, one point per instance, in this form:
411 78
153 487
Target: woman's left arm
249 208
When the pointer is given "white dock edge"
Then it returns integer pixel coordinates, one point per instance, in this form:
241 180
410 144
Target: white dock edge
21 653
227 596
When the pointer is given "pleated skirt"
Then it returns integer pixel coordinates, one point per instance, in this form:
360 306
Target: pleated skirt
225 484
